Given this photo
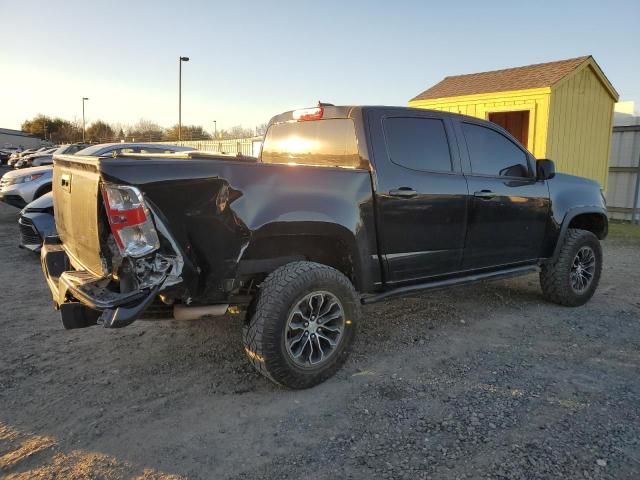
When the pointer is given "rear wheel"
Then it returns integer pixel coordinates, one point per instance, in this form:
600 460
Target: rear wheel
303 324
574 276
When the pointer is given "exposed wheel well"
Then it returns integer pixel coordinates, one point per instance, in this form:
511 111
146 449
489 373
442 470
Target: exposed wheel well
315 248
593 222
42 190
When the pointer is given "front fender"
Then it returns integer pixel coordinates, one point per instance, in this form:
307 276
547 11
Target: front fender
570 197
569 216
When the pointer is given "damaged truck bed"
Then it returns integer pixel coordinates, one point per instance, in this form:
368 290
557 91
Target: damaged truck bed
223 235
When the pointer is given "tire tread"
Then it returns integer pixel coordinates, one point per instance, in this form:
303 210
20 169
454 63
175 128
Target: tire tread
272 299
553 275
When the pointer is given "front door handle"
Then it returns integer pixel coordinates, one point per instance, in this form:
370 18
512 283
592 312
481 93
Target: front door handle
403 192
486 194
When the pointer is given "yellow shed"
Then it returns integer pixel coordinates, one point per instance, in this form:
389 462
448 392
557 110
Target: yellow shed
559 110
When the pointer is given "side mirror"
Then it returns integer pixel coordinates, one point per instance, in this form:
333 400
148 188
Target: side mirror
545 169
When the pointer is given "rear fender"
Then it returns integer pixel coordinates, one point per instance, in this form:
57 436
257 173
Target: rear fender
233 218
321 241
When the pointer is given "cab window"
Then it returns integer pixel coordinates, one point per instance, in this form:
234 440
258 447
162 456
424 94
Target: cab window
418 143
330 142
493 154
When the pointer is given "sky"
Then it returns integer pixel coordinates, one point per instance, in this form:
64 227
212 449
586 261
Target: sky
250 60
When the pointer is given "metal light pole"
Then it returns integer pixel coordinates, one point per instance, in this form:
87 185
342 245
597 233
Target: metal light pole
215 129
83 100
180 60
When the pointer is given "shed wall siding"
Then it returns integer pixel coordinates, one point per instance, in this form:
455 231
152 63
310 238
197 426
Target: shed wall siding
580 122
535 100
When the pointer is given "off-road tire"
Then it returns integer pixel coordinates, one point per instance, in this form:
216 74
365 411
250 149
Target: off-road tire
555 276
265 325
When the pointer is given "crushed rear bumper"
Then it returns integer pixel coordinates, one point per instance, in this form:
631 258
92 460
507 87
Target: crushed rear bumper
70 286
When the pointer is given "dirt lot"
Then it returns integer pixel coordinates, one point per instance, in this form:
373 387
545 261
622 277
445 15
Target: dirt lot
486 381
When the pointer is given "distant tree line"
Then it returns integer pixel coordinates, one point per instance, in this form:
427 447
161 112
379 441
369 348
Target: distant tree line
58 130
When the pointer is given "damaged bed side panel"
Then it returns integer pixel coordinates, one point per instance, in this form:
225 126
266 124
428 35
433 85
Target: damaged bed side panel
218 211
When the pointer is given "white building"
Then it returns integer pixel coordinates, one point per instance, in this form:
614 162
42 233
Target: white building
623 192
624 113
16 138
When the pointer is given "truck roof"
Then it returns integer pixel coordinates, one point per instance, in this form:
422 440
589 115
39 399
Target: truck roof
348 111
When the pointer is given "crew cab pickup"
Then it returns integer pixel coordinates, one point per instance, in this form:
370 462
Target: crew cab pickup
345 206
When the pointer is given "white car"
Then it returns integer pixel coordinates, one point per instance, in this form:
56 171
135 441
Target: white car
19 187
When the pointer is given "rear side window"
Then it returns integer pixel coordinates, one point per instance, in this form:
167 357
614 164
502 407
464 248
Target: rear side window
494 154
418 143
318 142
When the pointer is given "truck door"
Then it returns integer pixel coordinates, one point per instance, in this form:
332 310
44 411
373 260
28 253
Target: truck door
509 207
421 194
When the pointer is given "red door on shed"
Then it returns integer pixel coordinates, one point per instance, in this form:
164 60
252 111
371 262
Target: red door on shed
516 123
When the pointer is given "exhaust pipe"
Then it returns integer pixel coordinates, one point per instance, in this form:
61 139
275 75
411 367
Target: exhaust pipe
184 312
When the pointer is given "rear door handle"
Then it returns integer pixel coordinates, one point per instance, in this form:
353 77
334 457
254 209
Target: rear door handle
487 194
403 192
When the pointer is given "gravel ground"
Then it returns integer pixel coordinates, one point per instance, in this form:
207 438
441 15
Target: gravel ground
486 381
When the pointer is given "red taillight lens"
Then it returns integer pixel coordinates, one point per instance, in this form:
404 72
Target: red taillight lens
130 220
308 114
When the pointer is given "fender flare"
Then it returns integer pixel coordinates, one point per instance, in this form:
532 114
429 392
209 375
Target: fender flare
568 217
332 232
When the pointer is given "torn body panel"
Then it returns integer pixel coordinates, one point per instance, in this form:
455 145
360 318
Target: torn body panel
222 225
234 219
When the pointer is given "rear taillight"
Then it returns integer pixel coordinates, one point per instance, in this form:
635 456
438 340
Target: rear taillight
130 220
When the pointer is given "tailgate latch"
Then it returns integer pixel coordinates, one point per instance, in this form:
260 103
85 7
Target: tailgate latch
65 181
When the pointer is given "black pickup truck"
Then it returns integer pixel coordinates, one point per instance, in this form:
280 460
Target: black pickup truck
345 206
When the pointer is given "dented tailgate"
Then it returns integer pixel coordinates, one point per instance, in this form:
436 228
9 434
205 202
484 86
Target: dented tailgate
75 198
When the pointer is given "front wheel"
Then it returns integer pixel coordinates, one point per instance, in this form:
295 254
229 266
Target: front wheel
303 324
573 277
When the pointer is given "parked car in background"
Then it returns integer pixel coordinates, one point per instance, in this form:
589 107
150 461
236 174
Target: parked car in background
36 222
345 206
17 155
20 187
5 154
47 158
27 160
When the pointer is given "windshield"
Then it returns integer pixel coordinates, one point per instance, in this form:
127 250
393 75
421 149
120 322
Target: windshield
90 150
60 150
45 152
